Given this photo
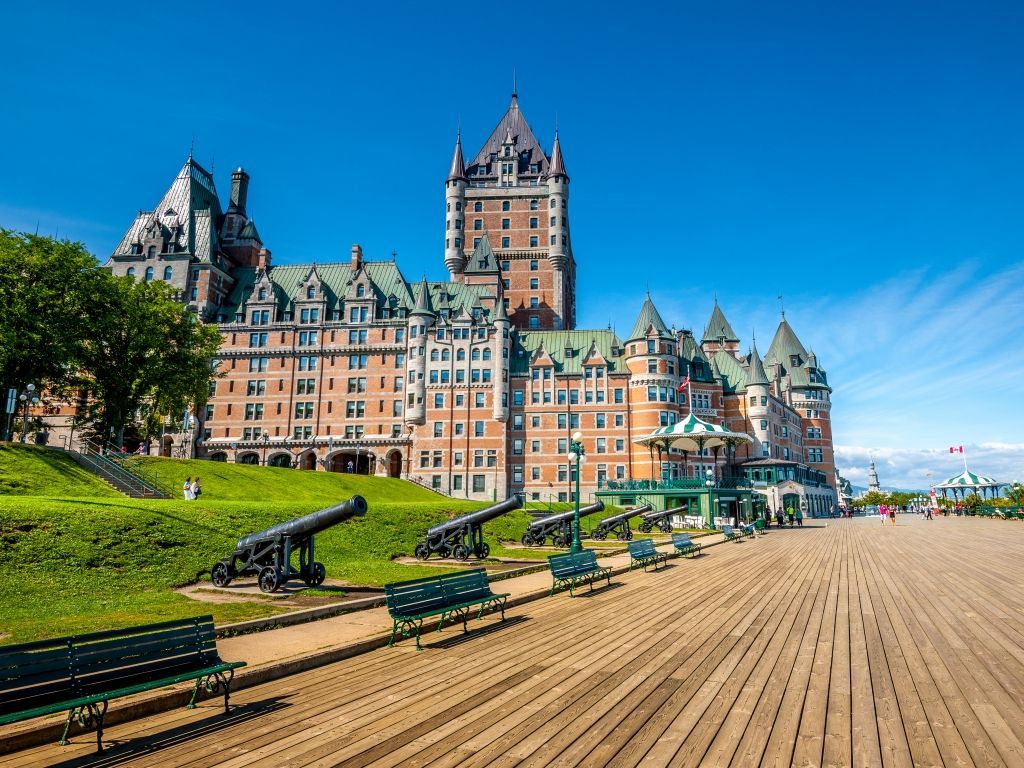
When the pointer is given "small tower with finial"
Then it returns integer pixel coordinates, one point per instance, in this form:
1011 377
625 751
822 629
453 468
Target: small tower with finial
455 205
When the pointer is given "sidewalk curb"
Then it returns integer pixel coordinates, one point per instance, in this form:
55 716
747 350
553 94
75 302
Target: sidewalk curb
34 733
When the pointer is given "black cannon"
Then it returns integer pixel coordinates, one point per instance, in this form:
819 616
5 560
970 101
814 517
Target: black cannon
464 534
618 524
268 554
661 519
557 526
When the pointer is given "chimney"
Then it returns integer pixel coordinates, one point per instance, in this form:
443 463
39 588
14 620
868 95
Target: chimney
357 257
263 261
239 191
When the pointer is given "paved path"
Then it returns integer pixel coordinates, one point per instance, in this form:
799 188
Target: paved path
850 644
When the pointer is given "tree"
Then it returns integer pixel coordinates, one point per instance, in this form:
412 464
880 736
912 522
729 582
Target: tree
45 285
1015 494
144 352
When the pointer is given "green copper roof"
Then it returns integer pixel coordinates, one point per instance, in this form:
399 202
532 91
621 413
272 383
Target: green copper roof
785 346
249 232
649 317
718 327
482 261
526 343
730 371
422 306
755 373
690 355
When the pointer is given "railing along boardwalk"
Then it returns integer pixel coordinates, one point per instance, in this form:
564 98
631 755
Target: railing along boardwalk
851 644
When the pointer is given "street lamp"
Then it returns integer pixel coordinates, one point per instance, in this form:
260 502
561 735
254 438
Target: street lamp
709 483
576 457
265 439
28 396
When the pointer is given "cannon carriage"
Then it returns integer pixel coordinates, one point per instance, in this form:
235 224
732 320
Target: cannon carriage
268 554
557 526
618 524
464 535
661 519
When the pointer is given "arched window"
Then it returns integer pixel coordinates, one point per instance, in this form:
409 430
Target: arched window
311 292
360 291
168 273
487 354
446 355
458 206
151 252
433 356
149 274
554 203
476 354
131 272
460 355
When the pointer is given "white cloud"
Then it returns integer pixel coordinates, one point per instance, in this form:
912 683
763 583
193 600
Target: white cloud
918 468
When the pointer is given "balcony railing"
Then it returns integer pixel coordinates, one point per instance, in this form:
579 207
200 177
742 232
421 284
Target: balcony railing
671 484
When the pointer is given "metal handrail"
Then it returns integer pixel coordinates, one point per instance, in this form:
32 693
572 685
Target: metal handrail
129 477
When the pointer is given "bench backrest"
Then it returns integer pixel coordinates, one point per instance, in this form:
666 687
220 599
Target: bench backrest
464 586
727 530
641 548
682 540
570 563
416 595
49 671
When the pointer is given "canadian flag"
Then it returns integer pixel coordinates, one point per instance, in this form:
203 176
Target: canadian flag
958 449
682 385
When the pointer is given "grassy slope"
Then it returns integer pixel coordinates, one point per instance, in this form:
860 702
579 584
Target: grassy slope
81 564
34 471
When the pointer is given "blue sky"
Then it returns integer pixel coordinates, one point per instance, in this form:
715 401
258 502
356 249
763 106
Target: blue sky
864 161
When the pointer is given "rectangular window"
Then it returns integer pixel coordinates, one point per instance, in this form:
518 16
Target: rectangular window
256 387
478 483
438 429
533 222
517 447
506 224
534 265
478 429
506 242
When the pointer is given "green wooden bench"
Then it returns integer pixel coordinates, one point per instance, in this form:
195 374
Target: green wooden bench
731 534
82 673
573 568
642 552
748 529
449 596
685 545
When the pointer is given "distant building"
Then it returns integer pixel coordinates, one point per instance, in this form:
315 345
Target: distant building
873 478
471 385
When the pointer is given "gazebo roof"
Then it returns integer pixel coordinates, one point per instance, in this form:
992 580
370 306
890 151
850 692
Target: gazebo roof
694 432
968 479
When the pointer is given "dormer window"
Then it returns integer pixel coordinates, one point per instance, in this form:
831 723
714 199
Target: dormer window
360 291
568 353
151 252
261 294
311 292
794 360
508 151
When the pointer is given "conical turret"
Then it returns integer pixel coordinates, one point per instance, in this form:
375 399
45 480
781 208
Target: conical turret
557 161
648 318
422 306
718 328
756 374
458 169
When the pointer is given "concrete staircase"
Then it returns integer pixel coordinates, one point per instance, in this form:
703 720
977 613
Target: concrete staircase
117 475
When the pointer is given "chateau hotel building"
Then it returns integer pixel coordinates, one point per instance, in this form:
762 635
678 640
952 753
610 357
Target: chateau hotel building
471 385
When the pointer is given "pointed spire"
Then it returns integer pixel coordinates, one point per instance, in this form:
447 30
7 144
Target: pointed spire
515 91
422 306
500 313
648 318
718 327
458 169
756 374
557 162
785 346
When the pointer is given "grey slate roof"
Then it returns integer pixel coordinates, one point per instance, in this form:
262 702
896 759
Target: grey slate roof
557 162
458 169
513 124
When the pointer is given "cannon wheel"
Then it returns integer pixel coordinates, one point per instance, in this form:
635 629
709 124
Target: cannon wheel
461 552
645 527
422 551
316 578
527 540
625 535
666 526
444 552
268 579
599 535
484 551
558 540
220 575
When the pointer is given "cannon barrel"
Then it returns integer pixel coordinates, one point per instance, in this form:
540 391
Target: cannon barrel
479 517
587 510
626 515
657 515
309 524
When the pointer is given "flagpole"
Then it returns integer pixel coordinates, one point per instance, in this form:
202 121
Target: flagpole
963 452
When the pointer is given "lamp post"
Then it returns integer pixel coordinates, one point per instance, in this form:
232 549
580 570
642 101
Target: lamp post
27 397
234 452
709 483
576 457
265 439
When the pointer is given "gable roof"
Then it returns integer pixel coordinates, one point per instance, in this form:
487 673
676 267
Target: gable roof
647 318
483 260
718 327
525 345
730 371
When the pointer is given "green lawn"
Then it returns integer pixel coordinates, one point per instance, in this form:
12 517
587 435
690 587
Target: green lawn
79 557
28 470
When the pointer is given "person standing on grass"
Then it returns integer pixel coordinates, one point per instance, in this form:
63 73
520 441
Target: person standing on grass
196 489
186 489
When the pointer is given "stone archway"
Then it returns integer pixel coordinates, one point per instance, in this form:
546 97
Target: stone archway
166 445
219 456
307 461
361 463
394 463
248 458
281 460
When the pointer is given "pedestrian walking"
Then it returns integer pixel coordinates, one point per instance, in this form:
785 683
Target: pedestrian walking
790 514
186 489
799 518
892 514
883 513
196 489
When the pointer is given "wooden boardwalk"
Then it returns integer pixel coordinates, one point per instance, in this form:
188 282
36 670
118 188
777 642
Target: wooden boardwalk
850 644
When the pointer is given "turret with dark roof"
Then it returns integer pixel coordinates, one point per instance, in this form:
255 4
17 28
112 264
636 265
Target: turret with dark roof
458 169
756 374
422 306
557 162
649 318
